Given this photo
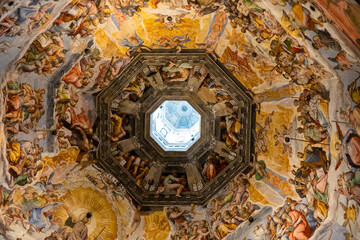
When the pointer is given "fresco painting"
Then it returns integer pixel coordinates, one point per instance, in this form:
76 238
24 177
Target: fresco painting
297 59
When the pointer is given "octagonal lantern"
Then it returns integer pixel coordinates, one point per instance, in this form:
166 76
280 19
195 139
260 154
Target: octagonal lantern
175 125
169 113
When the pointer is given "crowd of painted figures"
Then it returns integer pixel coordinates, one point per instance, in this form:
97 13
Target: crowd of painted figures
227 211
23 110
44 37
294 219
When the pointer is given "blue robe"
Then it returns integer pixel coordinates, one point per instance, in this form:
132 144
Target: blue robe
37 219
23 13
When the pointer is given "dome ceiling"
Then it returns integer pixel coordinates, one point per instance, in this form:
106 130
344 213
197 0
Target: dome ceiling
275 83
179 114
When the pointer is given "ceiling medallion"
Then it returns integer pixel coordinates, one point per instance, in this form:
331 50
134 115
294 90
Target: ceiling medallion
175 128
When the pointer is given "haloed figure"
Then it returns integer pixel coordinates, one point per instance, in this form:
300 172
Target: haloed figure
79 228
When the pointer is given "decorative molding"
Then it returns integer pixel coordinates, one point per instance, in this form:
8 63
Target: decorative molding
146 147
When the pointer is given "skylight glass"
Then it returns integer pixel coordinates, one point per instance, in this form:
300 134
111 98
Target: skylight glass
175 125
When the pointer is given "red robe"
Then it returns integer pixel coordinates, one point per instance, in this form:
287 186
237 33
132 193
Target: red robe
302 231
74 77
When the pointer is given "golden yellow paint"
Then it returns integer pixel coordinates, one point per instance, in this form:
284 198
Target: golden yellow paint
69 155
280 93
128 29
251 79
48 17
289 28
264 69
18 195
236 38
269 193
334 139
204 22
256 196
109 48
157 226
273 158
83 200
189 27
143 25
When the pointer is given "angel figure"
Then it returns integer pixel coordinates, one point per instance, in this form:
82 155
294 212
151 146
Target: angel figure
134 43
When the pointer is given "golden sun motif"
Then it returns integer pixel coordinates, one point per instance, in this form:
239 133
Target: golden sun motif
82 200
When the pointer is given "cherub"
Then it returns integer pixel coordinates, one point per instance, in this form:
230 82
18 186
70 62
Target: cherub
31 170
14 216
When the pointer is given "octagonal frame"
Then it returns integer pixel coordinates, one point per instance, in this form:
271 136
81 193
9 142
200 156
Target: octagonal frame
173 157
160 57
